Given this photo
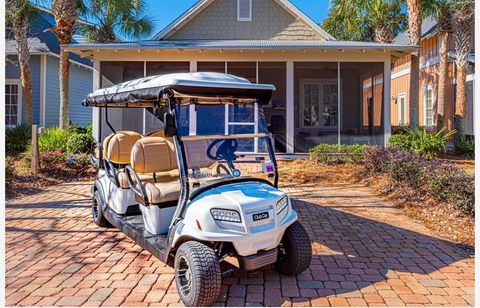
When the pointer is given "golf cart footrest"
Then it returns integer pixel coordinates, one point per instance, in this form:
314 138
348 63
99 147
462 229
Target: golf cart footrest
258 260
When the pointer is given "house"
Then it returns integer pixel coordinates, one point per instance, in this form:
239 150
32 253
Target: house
322 86
429 82
44 50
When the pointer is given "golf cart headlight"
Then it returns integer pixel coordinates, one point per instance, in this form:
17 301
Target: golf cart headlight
281 204
225 215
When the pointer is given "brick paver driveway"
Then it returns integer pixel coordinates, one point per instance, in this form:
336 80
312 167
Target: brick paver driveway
365 253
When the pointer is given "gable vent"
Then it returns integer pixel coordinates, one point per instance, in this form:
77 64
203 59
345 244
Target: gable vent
244 10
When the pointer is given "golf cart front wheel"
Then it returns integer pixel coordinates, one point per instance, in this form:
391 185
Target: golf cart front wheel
97 212
197 274
295 250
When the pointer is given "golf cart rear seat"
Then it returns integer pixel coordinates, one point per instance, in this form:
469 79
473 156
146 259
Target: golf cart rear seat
117 149
154 155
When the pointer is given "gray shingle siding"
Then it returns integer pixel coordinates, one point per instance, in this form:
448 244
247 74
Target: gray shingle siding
269 21
81 84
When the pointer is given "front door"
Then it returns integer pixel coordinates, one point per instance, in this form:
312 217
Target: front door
319 101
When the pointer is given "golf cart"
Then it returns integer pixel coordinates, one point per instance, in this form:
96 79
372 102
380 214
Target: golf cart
201 188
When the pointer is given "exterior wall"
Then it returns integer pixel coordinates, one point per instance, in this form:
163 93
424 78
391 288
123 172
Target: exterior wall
12 70
269 21
80 86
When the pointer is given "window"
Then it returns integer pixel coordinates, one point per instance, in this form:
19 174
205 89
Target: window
244 10
428 106
320 103
13 99
402 109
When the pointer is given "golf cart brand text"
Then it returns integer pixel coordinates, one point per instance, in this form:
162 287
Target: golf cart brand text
201 175
260 216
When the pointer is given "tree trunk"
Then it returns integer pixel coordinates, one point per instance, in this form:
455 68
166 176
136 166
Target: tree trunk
64 71
461 102
20 33
442 82
414 32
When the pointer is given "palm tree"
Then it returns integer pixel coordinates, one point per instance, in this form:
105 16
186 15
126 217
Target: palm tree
365 20
18 15
66 13
463 45
415 34
442 11
113 17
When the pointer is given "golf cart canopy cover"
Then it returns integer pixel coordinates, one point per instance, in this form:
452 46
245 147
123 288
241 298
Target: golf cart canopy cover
204 87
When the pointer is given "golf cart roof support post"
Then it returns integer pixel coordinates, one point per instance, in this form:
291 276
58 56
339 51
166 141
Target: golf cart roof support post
274 160
108 123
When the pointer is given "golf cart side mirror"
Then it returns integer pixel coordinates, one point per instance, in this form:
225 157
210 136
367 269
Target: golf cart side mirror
170 129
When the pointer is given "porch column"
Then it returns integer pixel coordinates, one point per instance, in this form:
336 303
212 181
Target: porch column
387 100
192 114
290 108
96 117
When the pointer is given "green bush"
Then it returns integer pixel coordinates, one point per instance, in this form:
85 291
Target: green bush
52 139
428 177
465 147
421 142
337 154
17 139
80 140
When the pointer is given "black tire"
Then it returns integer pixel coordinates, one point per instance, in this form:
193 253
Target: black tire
197 274
97 212
295 250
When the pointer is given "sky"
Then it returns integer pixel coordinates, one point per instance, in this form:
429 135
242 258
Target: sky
165 11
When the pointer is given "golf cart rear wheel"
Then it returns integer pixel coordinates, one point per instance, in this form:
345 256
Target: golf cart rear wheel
97 213
295 250
197 274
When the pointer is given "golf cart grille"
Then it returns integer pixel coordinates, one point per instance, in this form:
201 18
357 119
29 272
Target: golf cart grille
258 260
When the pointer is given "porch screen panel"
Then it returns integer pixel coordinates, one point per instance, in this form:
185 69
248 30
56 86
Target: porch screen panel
275 112
246 70
316 114
114 72
213 67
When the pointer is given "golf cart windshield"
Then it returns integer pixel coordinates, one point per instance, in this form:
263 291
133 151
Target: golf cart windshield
225 141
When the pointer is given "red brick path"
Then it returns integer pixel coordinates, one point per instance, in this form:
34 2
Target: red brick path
365 253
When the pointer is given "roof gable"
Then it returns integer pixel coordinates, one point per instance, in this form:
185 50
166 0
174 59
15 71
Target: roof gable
272 19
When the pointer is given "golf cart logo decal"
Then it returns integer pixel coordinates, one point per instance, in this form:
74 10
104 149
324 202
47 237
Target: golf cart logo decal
260 216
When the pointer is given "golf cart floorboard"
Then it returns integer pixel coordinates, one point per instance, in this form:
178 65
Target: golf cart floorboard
134 228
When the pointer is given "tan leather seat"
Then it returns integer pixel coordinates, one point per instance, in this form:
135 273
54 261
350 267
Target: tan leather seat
156 133
157 155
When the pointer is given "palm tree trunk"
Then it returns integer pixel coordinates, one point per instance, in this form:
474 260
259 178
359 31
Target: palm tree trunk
461 102
64 70
415 33
20 33
442 82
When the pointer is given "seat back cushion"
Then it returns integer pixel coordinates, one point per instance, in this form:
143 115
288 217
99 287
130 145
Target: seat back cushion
156 133
153 154
120 146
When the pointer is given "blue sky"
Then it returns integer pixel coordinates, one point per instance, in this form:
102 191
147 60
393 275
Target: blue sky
165 11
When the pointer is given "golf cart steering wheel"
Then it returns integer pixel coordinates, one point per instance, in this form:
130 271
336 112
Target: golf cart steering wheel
226 151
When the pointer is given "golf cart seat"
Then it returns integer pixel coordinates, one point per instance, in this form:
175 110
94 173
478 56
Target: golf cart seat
156 133
154 155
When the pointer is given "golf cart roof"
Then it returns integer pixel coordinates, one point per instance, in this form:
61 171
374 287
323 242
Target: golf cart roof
204 87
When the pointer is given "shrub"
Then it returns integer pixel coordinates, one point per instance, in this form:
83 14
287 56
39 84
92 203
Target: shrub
79 142
337 154
52 139
426 144
17 139
465 147
429 177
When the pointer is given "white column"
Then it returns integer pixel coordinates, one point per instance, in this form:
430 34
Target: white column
192 113
97 134
144 127
43 89
290 108
339 106
387 100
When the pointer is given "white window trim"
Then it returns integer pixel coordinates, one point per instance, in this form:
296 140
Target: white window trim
426 88
320 81
404 96
238 12
18 82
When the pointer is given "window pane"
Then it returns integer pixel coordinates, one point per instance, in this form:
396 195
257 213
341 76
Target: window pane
330 105
14 89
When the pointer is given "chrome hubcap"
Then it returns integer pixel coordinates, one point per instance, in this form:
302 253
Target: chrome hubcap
184 276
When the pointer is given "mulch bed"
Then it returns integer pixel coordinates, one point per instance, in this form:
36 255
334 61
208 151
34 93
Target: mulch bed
441 217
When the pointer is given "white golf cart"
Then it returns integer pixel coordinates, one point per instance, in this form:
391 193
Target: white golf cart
202 190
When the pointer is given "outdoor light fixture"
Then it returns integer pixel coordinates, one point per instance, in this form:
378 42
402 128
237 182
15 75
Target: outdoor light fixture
281 204
225 215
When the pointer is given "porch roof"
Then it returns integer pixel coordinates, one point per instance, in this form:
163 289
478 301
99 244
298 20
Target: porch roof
239 44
